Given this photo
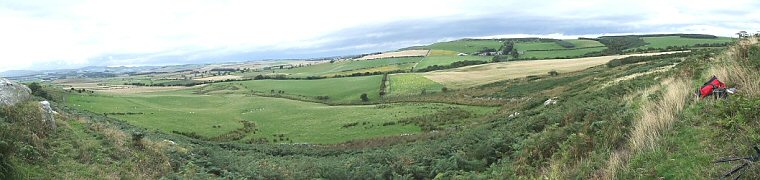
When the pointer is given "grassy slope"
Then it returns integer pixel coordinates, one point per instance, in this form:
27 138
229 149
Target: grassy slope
708 130
558 51
299 121
77 149
663 42
338 89
466 46
357 65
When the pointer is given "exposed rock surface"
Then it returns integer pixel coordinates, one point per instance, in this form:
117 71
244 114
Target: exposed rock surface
48 115
12 92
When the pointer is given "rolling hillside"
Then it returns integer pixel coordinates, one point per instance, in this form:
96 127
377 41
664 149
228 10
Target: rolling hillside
629 116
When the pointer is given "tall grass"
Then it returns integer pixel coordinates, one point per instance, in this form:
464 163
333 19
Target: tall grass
735 69
656 117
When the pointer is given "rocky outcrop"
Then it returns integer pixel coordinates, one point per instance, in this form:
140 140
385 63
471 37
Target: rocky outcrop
48 115
12 92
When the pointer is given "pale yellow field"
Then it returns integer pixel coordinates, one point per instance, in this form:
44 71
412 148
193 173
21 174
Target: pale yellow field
219 78
121 89
436 52
407 53
487 73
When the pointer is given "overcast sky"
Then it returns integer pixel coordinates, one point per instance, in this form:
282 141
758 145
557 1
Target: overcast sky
68 34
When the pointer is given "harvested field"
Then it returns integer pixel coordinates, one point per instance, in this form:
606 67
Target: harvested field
219 78
436 52
487 73
407 53
122 89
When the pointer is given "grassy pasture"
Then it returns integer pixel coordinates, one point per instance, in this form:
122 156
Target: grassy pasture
300 122
338 89
664 42
560 53
581 43
447 60
411 84
547 50
466 46
345 66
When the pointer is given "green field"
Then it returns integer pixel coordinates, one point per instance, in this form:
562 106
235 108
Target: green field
548 50
466 46
447 60
560 53
403 63
664 42
411 84
338 89
300 122
529 46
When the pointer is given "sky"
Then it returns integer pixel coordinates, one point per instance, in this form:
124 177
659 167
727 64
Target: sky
38 35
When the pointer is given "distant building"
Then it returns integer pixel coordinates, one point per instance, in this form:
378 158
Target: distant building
462 54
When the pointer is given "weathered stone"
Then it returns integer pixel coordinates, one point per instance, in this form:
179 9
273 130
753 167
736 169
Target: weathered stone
48 115
12 92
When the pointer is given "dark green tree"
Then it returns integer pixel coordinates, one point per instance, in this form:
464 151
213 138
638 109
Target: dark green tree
364 97
38 91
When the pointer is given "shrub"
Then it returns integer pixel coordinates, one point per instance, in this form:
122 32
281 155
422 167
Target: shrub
553 73
565 44
364 97
38 91
137 139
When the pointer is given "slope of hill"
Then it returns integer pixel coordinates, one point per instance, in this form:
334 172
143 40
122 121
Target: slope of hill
628 118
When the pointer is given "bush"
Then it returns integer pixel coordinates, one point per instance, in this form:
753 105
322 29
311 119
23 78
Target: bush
553 73
364 97
38 91
565 44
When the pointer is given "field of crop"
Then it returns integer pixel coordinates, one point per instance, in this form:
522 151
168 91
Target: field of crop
411 84
274 118
487 73
343 66
466 46
338 89
447 60
388 68
436 52
664 42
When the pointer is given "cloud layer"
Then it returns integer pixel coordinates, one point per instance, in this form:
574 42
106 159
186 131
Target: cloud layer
53 34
